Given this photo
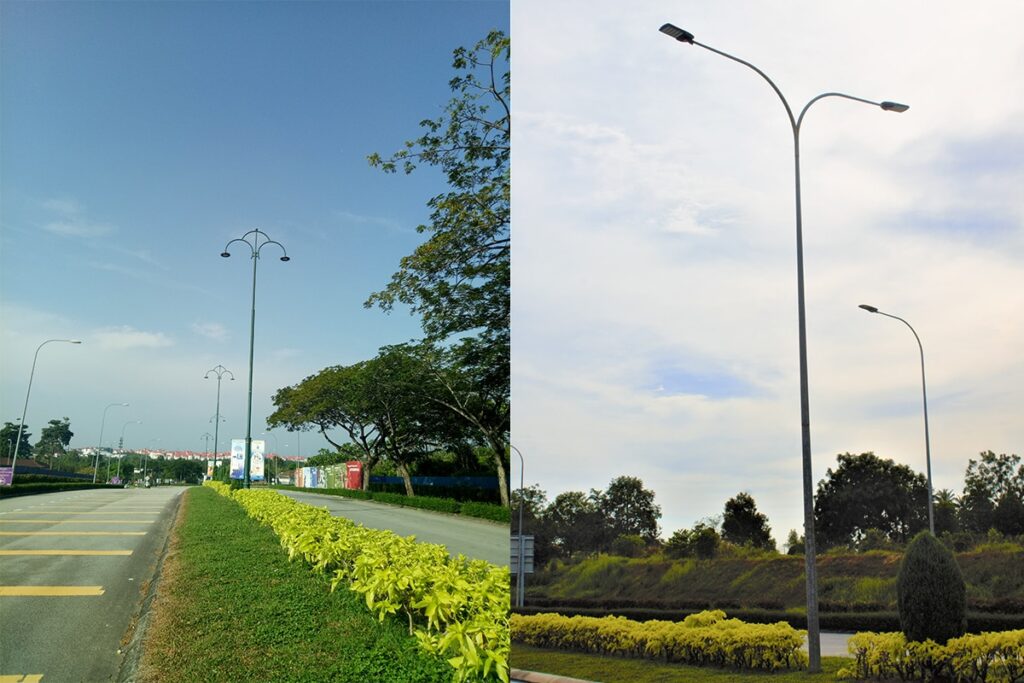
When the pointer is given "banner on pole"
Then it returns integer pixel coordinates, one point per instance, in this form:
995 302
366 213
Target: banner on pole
238 458
256 460
209 469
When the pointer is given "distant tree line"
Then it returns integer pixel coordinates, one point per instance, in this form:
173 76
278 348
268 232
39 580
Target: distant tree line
865 503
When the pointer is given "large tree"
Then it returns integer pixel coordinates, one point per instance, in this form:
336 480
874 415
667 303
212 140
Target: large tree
990 482
8 435
867 492
337 397
742 524
629 508
54 438
471 380
458 280
576 523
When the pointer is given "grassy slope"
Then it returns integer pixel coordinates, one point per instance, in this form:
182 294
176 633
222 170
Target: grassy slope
611 669
869 577
230 607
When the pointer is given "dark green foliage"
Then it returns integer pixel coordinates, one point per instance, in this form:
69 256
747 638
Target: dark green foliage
628 545
705 541
742 524
866 492
629 508
930 592
989 481
8 435
497 513
54 438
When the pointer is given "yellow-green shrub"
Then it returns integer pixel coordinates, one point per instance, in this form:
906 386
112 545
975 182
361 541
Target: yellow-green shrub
707 638
989 657
457 608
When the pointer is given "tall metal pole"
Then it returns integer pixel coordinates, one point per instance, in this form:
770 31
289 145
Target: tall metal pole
924 397
521 569
220 371
103 422
810 563
28 392
255 246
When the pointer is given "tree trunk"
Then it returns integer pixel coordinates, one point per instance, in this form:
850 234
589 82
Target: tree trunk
406 478
367 470
499 449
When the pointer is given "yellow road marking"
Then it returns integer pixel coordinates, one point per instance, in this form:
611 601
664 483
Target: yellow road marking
72 533
18 678
108 512
76 521
65 552
50 591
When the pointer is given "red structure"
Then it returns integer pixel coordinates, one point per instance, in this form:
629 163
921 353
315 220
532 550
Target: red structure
354 470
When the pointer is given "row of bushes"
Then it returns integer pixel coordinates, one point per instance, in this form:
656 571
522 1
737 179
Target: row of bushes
456 608
993 657
704 639
51 487
977 622
497 513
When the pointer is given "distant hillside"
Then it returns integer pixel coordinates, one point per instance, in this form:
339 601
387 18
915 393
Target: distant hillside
994 576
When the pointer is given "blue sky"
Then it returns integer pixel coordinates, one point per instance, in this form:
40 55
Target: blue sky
654 320
138 138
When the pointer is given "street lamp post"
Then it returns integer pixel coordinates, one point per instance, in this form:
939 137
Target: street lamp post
220 371
120 445
28 392
813 632
924 396
255 247
103 422
520 569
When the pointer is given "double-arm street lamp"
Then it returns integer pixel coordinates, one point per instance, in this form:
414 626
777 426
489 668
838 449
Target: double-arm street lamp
813 632
255 247
924 396
219 371
21 425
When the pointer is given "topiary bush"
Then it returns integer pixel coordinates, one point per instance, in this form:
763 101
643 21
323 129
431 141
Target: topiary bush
930 592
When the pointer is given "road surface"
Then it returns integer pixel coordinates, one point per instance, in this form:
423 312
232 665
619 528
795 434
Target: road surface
474 538
73 568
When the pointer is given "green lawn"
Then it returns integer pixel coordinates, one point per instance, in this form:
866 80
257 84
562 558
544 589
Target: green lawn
618 669
231 607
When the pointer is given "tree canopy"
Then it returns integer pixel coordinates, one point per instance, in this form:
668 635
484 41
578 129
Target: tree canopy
867 492
742 524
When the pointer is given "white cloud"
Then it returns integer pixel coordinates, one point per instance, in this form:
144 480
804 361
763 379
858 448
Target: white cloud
211 330
71 220
125 337
653 201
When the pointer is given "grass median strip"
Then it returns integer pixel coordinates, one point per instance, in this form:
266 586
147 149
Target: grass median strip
230 606
600 668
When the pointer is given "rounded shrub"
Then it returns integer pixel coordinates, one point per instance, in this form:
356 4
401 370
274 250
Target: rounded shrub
930 592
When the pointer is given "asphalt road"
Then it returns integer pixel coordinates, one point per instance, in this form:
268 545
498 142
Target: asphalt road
73 569
474 538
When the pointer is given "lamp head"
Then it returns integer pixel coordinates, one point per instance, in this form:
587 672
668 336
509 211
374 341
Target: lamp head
75 341
869 309
894 106
677 33
225 254
286 258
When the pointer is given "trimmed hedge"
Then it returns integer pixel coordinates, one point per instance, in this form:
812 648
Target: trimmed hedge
985 657
703 639
496 513
29 489
837 621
